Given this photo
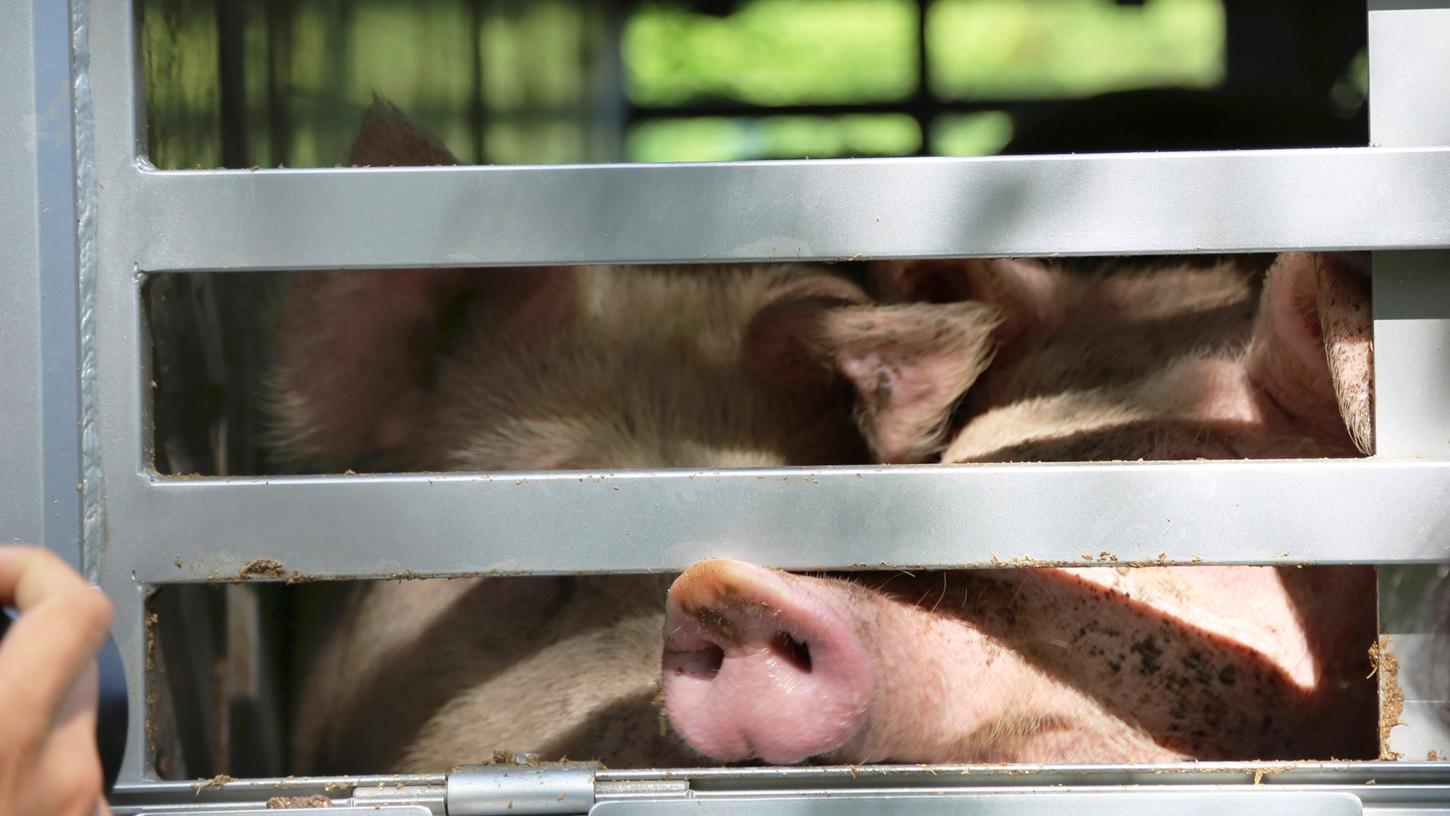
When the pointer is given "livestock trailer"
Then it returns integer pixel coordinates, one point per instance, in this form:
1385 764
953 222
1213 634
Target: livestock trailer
89 221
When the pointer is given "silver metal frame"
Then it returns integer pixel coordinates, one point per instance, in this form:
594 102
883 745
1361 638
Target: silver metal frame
106 219
39 501
1379 788
1409 76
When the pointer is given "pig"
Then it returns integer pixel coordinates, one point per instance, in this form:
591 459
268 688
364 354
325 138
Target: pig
540 369
1072 664
611 368
760 366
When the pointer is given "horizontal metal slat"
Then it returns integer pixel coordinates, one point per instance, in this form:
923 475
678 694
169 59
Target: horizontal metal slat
1399 788
1061 803
909 517
1359 198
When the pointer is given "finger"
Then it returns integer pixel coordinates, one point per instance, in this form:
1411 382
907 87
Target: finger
80 703
40 659
67 778
30 574
62 623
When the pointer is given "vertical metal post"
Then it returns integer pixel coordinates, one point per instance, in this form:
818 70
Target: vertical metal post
1409 78
21 518
1412 354
231 71
110 133
607 123
477 104
39 434
280 18
923 102
1409 104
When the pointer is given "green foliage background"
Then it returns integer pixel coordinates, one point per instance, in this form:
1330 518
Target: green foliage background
541 79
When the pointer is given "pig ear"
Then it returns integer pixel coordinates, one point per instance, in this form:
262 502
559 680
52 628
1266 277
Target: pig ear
1347 322
1313 345
1028 295
352 348
355 351
785 342
910 365
390 139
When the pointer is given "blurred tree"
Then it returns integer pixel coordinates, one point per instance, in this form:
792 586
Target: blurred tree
267 82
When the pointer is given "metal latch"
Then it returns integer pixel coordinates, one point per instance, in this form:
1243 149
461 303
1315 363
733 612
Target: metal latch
521 789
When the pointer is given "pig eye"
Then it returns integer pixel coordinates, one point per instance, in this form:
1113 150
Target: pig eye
793 651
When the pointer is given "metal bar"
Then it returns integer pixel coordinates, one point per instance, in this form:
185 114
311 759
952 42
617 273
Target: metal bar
310 809
910 517
108 69
279 15
1077 205
40 447
1412 355
1409 71
59 215
1409 75
231 73
1382 787
1056 803
477 104
372 794
606 120
923 105
22 516
499 789
1380 783
933 107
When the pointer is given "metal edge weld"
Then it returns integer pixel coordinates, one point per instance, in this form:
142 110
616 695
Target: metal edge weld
92 537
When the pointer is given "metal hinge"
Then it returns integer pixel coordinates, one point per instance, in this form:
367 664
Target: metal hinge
527 789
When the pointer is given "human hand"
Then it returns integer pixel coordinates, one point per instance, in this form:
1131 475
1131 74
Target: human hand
48 687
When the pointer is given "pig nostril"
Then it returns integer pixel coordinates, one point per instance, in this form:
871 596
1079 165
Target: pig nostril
699 664
704 663
795 652
711 659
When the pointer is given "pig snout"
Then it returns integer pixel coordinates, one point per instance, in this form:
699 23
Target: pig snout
761 664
